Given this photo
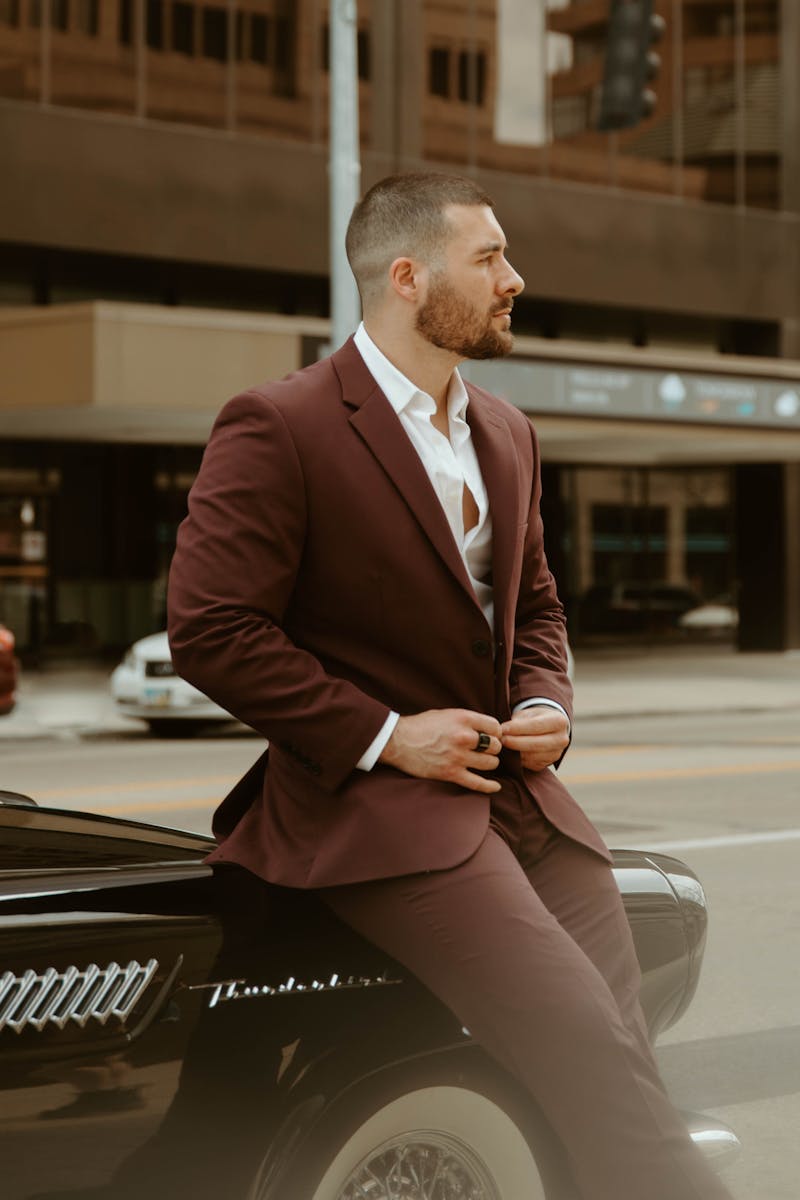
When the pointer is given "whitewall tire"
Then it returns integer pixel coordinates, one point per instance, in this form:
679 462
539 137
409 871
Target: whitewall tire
432 1143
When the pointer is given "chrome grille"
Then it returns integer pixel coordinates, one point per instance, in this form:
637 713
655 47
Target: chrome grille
75 994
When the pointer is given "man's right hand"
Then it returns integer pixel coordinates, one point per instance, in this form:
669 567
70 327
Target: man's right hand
440 744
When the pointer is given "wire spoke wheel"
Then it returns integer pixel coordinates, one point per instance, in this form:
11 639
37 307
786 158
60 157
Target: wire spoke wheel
423 1165
442 1142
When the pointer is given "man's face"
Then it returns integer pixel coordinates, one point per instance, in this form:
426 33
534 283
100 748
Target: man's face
470 294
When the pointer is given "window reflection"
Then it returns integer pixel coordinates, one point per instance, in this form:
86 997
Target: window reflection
512 85
715 133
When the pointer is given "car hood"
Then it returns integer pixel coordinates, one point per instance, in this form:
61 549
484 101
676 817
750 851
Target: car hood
154 646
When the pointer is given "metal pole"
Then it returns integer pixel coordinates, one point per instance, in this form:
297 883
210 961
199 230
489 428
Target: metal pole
344 164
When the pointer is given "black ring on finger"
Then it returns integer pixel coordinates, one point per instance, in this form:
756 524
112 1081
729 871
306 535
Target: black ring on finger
484 742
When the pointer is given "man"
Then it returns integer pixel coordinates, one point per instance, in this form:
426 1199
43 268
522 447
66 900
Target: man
361 578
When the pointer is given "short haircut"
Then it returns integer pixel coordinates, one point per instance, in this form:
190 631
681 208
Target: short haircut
403 216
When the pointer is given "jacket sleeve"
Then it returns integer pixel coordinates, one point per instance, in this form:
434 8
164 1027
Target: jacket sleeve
232 576
539 660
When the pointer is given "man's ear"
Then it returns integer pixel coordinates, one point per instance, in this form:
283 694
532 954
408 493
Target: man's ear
408 278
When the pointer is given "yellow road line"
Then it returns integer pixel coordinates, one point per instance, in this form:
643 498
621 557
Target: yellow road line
109 789
641 776
585 751
682 772
162 806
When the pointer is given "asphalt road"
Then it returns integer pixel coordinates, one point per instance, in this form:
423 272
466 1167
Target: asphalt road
722 791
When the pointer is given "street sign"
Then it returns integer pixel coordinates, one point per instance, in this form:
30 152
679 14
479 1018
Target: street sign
592 390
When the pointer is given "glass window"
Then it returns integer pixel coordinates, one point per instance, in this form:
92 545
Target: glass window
629 542
439 71
183 28
154 18
708 550
126 22
715 137
9 12
259 38
283 44
215 34
59 14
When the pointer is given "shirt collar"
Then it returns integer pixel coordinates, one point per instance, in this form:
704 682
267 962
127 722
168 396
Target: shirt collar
398 388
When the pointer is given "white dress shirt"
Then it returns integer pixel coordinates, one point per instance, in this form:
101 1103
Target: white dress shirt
450 463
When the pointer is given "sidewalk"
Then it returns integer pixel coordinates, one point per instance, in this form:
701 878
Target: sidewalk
681 678
73 700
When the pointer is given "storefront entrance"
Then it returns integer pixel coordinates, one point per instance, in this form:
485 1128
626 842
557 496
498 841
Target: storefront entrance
639 548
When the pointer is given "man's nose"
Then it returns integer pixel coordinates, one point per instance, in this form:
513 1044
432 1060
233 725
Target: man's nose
510 284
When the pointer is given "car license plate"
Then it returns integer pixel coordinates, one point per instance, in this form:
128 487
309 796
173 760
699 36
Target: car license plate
158 697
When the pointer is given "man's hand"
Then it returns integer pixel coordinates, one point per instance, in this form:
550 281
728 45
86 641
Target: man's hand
540 734
440 744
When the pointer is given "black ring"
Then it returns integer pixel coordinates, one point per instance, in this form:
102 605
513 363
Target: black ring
484 742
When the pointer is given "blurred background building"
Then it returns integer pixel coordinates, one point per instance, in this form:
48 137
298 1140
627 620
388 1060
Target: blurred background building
164 243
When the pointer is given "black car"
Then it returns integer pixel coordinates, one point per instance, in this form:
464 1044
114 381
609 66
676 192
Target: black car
169 1031
634 607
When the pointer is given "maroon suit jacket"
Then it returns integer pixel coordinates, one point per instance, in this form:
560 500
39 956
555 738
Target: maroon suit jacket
316 586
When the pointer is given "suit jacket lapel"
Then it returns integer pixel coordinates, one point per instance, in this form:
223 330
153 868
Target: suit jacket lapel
494 446
378 425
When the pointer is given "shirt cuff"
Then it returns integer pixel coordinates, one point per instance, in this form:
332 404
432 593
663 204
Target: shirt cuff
374 749
536 700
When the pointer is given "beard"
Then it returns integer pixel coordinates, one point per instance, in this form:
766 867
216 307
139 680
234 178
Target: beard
448 320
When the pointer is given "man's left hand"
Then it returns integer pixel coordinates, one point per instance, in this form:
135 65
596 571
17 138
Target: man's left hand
540 734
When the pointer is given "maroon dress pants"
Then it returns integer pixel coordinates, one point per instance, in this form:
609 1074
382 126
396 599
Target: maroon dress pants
527 943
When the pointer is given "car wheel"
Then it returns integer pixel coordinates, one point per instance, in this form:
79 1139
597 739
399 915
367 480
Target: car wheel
432 1143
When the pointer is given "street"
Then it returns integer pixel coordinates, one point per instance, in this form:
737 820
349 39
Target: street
719 790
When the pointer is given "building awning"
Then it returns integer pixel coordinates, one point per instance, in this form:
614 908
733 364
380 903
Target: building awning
115 372
133 373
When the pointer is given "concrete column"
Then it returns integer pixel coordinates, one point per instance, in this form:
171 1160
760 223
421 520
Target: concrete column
399 64
384 85
412 57
792 509
767 518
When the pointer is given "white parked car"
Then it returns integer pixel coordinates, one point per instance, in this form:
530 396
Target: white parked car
145 685
715 618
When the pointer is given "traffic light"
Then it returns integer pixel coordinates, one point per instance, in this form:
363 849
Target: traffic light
631 63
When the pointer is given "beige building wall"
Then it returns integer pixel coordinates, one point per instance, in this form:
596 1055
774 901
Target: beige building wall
136 372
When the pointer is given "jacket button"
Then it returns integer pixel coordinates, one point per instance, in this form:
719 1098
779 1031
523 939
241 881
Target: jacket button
481 648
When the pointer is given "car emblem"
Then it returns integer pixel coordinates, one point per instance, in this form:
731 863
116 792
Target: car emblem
240 989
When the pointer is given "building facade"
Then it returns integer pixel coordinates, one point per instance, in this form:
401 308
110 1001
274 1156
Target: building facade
163 242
